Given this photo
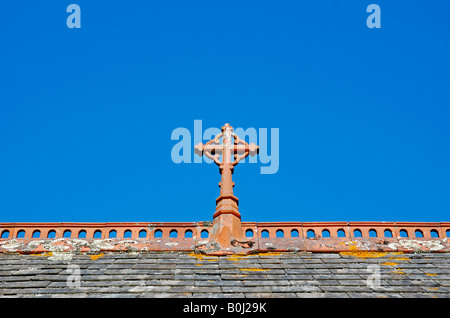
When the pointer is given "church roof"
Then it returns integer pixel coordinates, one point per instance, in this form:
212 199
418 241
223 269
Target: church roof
280 259
186 275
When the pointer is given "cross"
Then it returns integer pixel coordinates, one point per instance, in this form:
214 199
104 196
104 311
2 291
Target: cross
232 154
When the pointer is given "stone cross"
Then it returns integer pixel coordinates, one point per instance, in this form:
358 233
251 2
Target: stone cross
232 153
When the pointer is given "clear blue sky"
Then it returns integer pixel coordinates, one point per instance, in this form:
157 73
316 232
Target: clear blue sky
86 115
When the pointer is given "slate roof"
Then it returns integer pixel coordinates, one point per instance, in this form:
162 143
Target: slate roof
180 274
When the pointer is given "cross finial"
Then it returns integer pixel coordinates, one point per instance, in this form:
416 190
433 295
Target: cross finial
232 153
227 126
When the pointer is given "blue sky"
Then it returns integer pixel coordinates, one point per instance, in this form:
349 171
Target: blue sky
86 115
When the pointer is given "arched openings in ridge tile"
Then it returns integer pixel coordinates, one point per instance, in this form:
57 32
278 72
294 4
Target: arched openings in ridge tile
249 233
204 234
158 234
82 234
36 234
373 233
357 233
434 233
447 233
20 234
279 233
142 234
173 234
310 234
67 234
127 234
387 233
98 234
265 234
403 233
418 233
294 233
51 234
325 233
341 233
5 234
188 234
112 234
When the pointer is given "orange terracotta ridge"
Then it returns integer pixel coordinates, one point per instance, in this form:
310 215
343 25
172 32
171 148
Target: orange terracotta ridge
196 237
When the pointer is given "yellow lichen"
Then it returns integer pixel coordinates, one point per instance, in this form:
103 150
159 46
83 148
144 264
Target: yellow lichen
356 252
236 257
197 256
389 263
430 274
362 254
42 254
202 257
398 258
269 254
95 257
254 269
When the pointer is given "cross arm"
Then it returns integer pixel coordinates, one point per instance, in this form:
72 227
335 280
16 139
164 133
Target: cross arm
242 149
212 149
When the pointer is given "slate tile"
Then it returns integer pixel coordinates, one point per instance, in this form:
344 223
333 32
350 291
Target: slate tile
266 283
105 283
165 295
345 289
53 278
325 276
354 282
398 289
212 271
146 289
152 266
100 277
127 261
16 278
419 295
375 295
295 289
25 284
270 295
289 277
206 277
322 295
414 282
440 289
325 282
183 277
33 271
321 255
114 295
218 295
196 289
64 295
5 273
307 271
218 283
435 270
246 289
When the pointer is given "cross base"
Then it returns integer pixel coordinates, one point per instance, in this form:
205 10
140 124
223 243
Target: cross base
227 221
227 204
226 228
